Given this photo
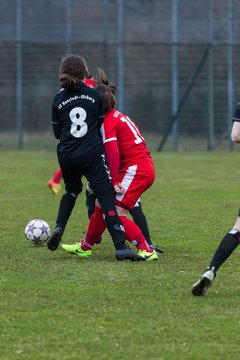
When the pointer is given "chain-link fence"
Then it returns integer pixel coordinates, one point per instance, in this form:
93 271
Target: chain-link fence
176 64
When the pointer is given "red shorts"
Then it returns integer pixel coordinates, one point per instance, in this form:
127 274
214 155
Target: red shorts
135 179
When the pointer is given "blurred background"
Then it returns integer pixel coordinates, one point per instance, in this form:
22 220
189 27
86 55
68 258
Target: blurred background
176 64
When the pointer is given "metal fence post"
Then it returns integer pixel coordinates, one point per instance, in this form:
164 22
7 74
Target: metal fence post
69 27
175 71
19 82
210 81
230 71
121 59
105 34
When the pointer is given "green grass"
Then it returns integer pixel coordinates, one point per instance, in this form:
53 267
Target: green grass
57 306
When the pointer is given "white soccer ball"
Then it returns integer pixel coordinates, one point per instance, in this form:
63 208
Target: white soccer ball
37 231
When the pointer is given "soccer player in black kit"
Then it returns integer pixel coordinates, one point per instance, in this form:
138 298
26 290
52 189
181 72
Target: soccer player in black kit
230 241
77 115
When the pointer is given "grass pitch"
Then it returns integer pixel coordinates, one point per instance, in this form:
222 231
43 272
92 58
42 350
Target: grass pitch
58 306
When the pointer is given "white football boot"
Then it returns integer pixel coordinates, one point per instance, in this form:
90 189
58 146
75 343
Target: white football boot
200 288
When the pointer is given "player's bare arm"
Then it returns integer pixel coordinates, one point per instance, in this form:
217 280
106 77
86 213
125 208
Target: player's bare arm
235 134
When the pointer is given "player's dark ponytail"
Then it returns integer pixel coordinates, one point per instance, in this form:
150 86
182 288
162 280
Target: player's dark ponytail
107 89
73 70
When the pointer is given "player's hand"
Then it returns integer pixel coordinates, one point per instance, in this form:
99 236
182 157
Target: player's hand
119 189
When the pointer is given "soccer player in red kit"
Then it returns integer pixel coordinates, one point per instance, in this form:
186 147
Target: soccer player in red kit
131 169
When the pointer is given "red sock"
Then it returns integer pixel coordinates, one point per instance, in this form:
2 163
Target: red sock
133 233
57 176
96 227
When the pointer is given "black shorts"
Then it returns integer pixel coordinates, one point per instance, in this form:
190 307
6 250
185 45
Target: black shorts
96 172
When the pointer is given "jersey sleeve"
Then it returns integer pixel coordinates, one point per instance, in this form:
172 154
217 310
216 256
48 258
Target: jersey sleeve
101 115
108 129
113 157
109 136
236 116
55 123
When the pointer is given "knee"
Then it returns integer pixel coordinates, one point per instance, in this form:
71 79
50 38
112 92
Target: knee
74 190
235 233
121 211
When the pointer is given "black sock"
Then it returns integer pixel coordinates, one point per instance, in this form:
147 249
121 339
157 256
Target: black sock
116 230
225 249
65 209
140 220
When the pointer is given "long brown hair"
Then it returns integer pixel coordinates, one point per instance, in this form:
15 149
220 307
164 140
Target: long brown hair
72 71
107 88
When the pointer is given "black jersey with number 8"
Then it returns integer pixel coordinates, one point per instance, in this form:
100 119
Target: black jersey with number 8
77 115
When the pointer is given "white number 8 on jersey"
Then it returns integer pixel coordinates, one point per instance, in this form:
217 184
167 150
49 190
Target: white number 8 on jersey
78 116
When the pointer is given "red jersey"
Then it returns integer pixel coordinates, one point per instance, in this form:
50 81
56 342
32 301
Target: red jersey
124 144
131 144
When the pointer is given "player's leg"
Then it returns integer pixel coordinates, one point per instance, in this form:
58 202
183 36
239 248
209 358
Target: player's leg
140 219
90 206
90 201
135 236
226 247
95 229
135 179
54 182
73 187
98 177
115 226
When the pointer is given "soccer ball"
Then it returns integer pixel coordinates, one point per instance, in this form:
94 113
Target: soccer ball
37 231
